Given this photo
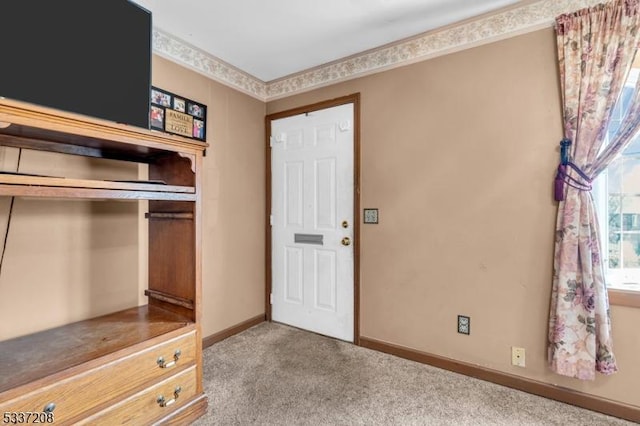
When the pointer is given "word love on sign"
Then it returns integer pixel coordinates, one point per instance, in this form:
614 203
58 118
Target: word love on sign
178 115
178 123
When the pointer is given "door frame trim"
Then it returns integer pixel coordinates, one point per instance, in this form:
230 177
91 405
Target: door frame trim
354 99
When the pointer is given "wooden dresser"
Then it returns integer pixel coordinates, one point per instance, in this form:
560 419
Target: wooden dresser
142 365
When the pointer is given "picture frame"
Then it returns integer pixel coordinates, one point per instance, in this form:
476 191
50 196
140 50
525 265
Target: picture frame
177 115
195 110
179 104
157 117
160 98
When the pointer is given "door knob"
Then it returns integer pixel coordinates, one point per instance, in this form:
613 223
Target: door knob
346 241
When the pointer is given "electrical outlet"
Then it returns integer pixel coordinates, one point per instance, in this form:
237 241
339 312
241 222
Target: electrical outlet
464 324
517 356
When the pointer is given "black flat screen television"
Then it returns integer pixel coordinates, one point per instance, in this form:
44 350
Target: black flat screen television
91 57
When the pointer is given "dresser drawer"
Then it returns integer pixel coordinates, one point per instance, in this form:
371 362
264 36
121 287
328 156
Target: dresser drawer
150 404
113 380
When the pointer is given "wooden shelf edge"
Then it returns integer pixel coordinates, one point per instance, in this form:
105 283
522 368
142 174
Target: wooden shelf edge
71 149
169 298
170 215
56 182
91 193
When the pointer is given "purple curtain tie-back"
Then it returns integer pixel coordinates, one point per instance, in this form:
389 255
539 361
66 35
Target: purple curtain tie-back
562 178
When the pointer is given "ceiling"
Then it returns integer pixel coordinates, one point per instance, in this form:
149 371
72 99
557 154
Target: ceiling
273 39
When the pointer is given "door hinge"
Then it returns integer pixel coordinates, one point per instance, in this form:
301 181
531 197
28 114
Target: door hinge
271 220
277 139
271 299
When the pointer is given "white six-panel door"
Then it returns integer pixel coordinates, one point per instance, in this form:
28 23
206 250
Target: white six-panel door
312 221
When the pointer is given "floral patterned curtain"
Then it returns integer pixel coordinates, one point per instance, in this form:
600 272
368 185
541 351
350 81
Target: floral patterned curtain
596 47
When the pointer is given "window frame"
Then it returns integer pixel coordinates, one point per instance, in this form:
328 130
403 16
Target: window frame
617 296
620 297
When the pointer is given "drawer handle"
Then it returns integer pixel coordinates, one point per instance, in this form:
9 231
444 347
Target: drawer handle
49 407
163 364
165 403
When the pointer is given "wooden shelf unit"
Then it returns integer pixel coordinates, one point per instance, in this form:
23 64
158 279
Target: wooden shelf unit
142 365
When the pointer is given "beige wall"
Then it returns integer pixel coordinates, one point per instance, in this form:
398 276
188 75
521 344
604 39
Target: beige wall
458 153
60 259
233 202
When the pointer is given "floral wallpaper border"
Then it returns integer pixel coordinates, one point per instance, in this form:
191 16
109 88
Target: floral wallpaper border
506 23
183 53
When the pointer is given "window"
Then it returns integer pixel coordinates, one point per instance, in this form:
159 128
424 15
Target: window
617 196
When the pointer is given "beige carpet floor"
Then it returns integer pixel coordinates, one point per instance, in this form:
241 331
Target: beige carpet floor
273 374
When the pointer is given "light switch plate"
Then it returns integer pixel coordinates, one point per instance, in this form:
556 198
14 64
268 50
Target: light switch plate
370 216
